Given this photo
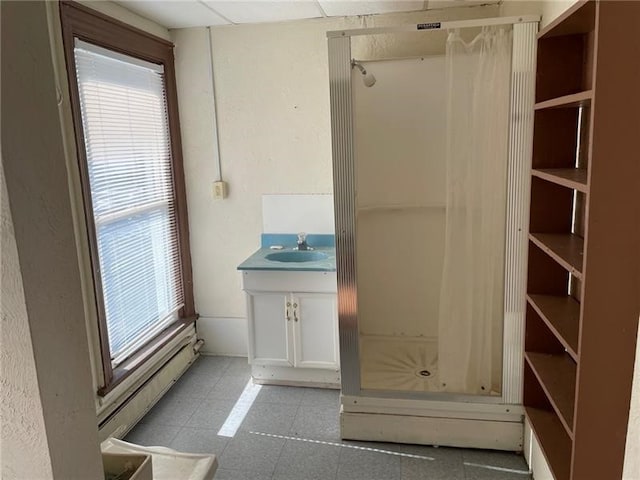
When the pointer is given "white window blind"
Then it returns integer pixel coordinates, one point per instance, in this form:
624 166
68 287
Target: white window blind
128 151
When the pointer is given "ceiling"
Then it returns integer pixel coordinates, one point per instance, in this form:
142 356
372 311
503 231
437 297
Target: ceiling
200 13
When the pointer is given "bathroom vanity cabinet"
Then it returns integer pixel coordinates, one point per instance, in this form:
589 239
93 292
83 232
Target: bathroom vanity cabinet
293 327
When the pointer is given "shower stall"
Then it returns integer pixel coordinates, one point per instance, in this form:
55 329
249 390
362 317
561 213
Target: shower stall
400 221
431 157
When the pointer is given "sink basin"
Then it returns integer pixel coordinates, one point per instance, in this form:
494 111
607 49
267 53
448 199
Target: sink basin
296 256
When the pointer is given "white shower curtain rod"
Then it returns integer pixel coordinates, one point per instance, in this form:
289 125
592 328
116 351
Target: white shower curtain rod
481 22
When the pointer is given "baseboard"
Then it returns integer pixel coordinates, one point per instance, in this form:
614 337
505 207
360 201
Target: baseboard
129 412
309 377
113 401
462 408
451 432
223 336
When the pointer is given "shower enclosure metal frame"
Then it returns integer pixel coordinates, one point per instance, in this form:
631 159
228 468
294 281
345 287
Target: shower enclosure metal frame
517 218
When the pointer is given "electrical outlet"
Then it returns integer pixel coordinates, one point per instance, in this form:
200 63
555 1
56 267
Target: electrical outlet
219 190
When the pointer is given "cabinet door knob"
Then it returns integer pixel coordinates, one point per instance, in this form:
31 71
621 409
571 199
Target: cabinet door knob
295 313
287 314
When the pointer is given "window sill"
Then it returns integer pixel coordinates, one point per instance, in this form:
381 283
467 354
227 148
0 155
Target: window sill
124 370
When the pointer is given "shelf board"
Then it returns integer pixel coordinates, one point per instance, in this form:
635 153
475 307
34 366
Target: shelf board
565 248
579 99
557 376
555 445
577 19
575 178
562 316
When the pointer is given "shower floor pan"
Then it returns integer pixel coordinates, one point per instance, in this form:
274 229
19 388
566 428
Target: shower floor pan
399 363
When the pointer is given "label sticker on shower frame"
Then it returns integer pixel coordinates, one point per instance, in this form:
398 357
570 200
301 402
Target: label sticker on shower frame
429 26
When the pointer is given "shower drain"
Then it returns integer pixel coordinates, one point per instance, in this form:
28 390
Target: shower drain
423 373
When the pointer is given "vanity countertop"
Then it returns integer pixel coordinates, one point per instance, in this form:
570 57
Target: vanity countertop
259 261
323 244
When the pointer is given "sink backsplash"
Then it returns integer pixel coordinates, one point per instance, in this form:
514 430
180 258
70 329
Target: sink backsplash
293 213
314 240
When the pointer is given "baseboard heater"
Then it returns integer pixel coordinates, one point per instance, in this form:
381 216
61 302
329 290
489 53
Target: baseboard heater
145 396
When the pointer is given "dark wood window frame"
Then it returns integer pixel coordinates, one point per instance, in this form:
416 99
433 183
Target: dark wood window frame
86 24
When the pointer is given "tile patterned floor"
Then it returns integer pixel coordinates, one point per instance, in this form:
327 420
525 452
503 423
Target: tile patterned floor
293 434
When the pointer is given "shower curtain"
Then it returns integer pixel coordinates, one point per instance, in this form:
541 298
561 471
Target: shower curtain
471 297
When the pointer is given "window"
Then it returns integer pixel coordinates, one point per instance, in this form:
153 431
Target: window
126 130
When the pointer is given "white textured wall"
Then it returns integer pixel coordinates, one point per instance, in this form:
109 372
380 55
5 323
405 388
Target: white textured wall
512 8
272 93
548 9
37 188
21 417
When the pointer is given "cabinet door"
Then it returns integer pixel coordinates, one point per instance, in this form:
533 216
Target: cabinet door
270 340
316 330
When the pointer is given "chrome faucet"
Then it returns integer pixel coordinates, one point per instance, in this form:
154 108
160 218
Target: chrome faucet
302 242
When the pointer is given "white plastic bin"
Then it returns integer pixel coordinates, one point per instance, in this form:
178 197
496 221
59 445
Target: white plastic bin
116 463
167 464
